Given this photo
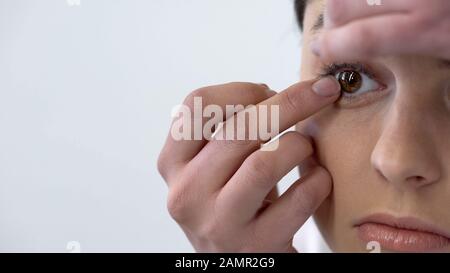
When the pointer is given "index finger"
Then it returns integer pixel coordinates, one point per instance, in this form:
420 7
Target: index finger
295 104
303 99
341 12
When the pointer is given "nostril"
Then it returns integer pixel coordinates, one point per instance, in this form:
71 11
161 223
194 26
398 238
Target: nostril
418 180
381 174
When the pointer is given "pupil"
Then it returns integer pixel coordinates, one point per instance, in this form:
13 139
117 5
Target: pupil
350 81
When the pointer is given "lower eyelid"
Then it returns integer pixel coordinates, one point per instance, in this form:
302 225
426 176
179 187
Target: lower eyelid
352 101
356 100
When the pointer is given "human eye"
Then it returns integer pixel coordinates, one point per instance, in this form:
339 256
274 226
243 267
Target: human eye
359 86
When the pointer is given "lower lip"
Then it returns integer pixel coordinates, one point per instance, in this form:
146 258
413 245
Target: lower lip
402 240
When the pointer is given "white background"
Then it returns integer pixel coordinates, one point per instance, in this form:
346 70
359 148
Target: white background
85 98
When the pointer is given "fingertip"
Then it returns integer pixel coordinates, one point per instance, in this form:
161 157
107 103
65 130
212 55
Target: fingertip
268 90
327 87
271 93
322 176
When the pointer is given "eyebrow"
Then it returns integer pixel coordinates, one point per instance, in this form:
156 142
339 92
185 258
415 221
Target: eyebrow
318 24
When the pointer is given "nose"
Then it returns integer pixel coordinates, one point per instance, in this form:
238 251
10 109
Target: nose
405 154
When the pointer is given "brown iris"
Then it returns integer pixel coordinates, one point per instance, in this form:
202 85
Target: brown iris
350 81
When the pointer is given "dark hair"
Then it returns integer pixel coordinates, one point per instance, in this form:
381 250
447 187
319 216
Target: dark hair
300 6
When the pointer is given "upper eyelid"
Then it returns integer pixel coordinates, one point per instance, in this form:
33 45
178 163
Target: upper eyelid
335 67
355 100
331 69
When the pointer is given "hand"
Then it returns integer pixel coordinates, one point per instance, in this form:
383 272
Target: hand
223 192
355 30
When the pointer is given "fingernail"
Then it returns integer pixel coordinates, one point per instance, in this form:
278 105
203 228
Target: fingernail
268 91
327 87
315 47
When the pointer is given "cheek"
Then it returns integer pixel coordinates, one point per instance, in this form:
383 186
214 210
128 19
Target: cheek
345 151
344 143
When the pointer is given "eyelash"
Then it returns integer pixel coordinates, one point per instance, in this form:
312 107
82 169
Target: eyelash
332 69
351 100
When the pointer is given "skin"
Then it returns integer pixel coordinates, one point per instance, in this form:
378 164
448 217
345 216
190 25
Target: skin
358 31
230 204
390 154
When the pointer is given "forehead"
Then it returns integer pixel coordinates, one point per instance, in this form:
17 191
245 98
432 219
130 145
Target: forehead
314 20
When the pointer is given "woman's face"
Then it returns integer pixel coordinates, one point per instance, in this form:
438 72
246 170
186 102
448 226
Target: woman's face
387 147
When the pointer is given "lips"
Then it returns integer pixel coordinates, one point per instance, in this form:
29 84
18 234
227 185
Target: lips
402 234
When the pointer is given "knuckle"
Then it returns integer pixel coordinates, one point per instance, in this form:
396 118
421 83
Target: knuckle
257 162
306 203
234 144
256 242
259 169
162 166
177 204
291 101
212 233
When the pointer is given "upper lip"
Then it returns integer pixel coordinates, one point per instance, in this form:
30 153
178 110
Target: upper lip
408 223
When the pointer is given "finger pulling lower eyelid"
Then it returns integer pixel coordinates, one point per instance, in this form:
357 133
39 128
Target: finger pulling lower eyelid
368 88
326 87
